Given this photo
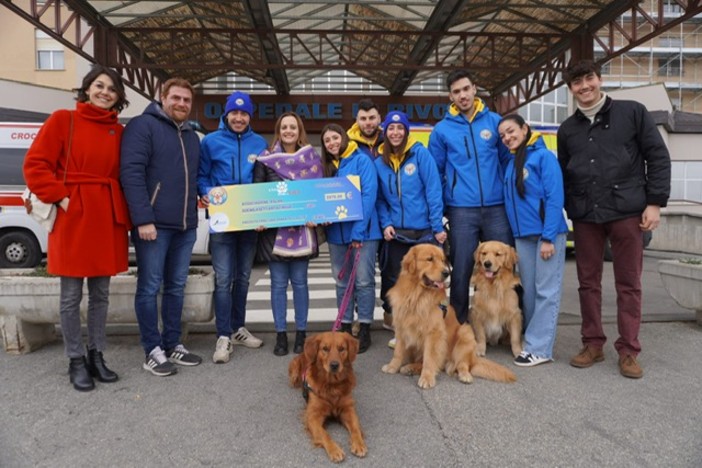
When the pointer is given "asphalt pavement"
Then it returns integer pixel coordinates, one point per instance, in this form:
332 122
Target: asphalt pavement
244 414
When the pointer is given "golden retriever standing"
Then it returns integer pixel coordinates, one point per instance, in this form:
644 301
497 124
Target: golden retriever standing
325 373
495 309
428 335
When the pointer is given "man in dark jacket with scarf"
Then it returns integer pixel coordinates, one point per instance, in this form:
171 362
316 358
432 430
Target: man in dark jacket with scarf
616 171
158 172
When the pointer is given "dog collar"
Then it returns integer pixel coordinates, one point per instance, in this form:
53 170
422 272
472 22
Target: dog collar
444 307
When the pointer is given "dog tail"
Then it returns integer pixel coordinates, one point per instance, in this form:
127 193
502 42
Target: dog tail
295 371
487 369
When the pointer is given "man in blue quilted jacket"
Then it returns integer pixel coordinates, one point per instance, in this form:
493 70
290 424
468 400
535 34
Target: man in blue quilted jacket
158 170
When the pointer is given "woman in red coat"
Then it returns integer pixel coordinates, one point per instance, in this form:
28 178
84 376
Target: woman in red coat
74 163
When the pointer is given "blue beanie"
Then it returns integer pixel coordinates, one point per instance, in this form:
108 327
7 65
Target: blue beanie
396 117
239 101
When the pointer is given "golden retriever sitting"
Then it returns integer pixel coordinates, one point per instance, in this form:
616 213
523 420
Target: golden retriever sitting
325 373
495 308
428 335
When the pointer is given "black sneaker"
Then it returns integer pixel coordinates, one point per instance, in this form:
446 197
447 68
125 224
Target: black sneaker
180 355
157 364
529 360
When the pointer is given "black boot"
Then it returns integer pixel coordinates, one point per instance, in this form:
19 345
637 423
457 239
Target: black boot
347 327
98 369
80 377
299 342
364 339
281 344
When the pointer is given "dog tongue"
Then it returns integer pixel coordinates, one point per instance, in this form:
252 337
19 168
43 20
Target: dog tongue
440 284
489 274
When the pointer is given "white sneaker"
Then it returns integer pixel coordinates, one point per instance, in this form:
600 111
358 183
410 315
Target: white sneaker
223 349
391 343
243 337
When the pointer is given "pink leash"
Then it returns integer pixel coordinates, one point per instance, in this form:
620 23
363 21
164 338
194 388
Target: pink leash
349 288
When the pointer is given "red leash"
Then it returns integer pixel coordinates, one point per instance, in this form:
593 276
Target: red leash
349 288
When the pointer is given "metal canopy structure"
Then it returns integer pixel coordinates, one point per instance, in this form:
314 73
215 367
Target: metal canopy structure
515 48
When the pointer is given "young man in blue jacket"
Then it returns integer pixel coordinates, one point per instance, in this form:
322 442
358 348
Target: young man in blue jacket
471 160
227 157
616 173
158 170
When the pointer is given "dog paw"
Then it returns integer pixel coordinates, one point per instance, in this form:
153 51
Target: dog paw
359 449
516 350
426 381
450 369
466 378
335 453
388 369
480 350
411 369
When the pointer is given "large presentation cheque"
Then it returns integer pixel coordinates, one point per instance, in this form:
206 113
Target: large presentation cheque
285 203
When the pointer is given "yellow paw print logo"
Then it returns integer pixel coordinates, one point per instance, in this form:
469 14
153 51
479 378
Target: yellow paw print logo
341 212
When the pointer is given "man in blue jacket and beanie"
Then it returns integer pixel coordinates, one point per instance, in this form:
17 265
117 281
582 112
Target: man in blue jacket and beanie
471 160
158 170
227 157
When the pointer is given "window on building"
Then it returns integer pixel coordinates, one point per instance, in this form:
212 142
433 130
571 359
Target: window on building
49 52
686 181
671 6
671 41
670 66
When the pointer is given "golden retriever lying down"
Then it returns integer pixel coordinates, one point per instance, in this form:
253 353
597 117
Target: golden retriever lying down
325 373
428 335
495 309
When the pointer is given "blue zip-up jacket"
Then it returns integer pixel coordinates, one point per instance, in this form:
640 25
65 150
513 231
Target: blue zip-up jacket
158 170
227 158
410 198
540 212
470 157
367 228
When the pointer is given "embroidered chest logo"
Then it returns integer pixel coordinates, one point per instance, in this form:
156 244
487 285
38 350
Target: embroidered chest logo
251 158
525 173
410 169
217 195
486 134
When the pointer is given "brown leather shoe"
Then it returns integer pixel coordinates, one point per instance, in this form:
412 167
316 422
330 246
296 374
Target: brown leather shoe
587 357
628 367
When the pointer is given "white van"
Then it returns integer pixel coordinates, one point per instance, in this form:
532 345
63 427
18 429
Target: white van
23 241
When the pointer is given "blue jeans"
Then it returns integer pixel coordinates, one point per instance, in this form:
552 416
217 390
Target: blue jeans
467 227
364 285
232 259
295 272
164 260
542 281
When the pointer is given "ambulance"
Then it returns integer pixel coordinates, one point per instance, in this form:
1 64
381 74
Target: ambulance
23 241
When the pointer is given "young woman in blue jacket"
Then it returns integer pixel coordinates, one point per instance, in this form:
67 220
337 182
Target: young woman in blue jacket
410 205
340 158
533 191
